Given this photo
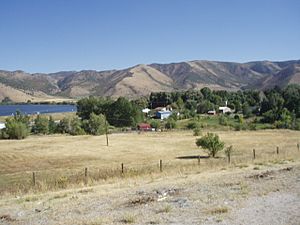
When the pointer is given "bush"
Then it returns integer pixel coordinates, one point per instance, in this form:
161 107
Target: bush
155 124
223 120
41 125
171 124
197 131
96 124
76 127
17 127
193 125
16 130
211 143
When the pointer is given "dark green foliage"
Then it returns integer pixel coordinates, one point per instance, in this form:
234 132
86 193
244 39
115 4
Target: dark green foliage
119 113
17 127
76 127
170 124
211 143
197 131
96 125
16 130
193 125
64 126
6 100
52 126
223 120
41 125
155 124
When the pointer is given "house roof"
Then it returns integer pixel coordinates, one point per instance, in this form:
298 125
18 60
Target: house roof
144 125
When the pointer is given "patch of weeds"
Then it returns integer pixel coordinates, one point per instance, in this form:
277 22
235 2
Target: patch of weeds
84 191
128 219
242 166
244 188
62 182
31 199
58 196
218 210
142 200
165 209
7 218
260 163
256 168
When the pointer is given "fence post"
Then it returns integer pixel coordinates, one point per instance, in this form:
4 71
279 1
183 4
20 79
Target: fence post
199 160
277 150
228 157
160 166
33 178
298 146
85 176
254 156
122 168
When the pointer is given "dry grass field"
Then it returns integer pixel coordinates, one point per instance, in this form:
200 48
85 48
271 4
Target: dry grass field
60 160
260 191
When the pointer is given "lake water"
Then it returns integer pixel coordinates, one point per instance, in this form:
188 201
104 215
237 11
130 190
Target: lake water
7 110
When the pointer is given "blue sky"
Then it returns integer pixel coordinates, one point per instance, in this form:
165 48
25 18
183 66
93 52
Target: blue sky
56 35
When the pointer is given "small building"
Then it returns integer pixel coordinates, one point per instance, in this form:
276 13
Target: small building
212 112
163 114
146 110
224 109
144 127
2 126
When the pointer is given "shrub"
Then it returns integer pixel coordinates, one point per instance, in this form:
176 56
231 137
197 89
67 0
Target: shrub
76 127
211 143
16 130
41 125
155 124
96 124
223 120
171 123
193 125
197 131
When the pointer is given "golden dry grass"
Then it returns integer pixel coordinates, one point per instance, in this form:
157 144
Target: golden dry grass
56 157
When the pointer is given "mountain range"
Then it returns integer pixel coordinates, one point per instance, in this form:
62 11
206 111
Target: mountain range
141 80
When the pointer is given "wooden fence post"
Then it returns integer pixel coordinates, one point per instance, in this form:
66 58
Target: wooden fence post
298 146
254 154
85 176
199 160
122 168
160 166
228 157
33 179
277 150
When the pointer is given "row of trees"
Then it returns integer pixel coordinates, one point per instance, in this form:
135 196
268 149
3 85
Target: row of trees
277 106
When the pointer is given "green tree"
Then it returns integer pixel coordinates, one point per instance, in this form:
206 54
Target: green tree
96 124
211 143
76 127
52 126
41 125
15 129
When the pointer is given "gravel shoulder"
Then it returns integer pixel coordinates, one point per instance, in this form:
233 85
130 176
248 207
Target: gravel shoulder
269 194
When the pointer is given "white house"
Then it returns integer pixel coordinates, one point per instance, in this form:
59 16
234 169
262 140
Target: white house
163 114
146 110
224 109
2 126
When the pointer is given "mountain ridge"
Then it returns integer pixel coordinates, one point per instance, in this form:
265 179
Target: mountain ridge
142 79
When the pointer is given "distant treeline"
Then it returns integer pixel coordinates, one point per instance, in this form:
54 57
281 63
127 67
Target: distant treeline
278 107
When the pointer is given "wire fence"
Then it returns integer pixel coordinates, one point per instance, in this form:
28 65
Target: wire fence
39 181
